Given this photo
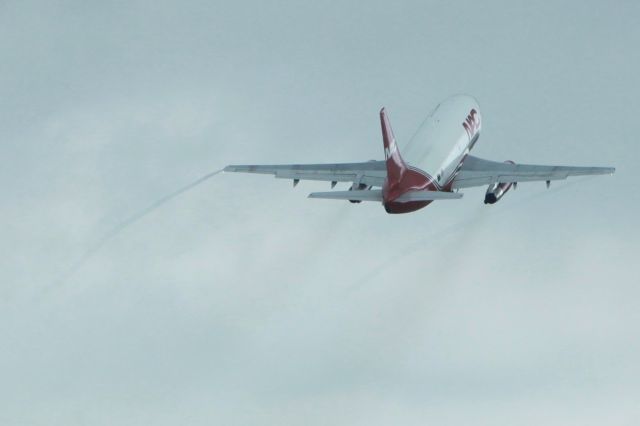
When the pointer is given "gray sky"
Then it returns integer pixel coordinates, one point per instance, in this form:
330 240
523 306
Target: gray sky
244 303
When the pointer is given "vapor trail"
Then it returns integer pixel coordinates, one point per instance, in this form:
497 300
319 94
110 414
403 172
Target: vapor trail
462 226
128 222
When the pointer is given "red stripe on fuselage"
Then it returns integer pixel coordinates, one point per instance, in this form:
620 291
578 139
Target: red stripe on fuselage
412 180
415 179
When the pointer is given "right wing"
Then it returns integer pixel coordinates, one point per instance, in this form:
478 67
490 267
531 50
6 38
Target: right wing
478 172
370 173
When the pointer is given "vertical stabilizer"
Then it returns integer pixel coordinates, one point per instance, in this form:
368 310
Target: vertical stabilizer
395 164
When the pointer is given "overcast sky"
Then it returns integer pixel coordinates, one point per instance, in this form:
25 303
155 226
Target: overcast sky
242 302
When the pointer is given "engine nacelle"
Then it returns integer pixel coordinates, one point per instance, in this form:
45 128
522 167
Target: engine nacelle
497 190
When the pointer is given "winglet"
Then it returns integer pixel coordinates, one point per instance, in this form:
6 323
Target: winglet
395 164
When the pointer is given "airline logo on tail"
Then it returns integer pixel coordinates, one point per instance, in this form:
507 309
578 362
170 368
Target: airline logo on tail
389 151
472 124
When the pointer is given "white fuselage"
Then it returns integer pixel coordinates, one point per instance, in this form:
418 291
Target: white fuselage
445 138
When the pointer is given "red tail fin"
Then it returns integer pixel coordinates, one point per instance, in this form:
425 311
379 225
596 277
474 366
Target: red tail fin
395 164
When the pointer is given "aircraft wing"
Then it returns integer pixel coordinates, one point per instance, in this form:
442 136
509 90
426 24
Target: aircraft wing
478 172
370 173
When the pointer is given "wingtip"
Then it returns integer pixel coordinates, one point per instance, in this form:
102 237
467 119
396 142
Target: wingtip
235 168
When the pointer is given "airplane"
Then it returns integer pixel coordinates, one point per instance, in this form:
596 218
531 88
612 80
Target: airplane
433 166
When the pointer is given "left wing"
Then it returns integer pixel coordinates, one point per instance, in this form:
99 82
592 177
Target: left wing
370 173
478 172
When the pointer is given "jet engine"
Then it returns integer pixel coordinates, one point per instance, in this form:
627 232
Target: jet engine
497 190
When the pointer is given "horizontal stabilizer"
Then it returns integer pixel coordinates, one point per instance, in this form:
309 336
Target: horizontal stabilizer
427 196
371 195
376 195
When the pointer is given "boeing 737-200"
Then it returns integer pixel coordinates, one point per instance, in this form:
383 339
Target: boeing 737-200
434 165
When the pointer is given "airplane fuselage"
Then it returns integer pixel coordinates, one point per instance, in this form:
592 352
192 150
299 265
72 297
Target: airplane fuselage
437 150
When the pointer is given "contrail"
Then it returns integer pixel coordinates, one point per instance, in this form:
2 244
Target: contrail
91 251
462 226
